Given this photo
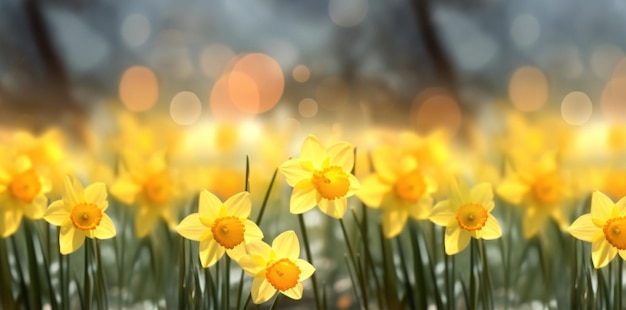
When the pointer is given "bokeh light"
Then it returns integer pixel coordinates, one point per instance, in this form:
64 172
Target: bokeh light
613 99
528 89
604 58
434 109
525 30
135 30
307 107
576 108
185 108
139 88
301 73
347 13
256 83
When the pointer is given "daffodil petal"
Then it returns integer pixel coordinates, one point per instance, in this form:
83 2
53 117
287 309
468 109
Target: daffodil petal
294 172
237 252
191 227
442 213
302 200
96 193
10 219
37 208
105 229
491 230
342 155
210 252
394 220
252 231
144 222
483 195
456 239
373 190
306 269
70 239
583 228
602 252
512 189
421 210
312 150
385 160
286 245
209 205
261 290
239 205
294 292
601 205
73 191
125 189
260 248
57 213
333 207
252 264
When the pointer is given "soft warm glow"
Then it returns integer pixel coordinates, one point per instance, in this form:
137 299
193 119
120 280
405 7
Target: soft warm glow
185 108
613 98
258 71
437 111
307 107
576 108
528 89
301 73
139 88
332 93
222 106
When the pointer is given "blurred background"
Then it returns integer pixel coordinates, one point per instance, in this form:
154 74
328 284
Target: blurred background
399 63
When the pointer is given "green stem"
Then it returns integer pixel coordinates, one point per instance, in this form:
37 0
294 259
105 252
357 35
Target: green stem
181 275
275 303
307 249
472 304
618 285
86 284
266 198
226 287
357 272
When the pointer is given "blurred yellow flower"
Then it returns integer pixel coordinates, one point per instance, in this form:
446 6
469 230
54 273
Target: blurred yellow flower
221 228
276 268
22 192
80 214
321 177
603 227
466 214
541 189
398 187
151 186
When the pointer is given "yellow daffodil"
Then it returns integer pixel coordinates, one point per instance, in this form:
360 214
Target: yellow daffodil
276 268
221 227
541 189
603 227
80 214
151 186
321 177
466 214
22 192
399 188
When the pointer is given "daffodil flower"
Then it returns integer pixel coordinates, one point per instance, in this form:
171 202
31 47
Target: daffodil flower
321 177
541 189
149 185
466 214
276 268
80 214
399 188
603 227
22 192
220 227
